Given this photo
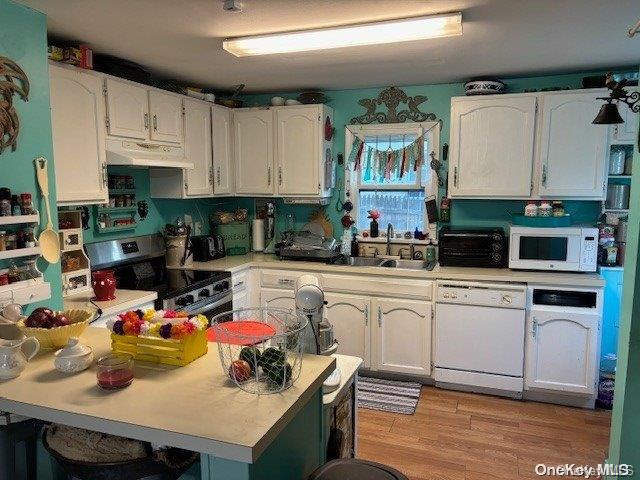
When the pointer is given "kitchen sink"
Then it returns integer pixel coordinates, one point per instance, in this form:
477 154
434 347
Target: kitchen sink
408 264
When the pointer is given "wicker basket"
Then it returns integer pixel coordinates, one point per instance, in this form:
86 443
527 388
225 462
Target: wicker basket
57 337
158 350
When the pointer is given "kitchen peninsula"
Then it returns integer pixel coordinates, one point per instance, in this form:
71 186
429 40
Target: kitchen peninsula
240 436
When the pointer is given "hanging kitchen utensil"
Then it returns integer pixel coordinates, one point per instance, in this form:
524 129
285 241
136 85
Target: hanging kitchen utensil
49 240
346 220
328 129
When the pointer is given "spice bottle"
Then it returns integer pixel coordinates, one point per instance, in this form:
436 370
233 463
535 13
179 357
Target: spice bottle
15 205
5 202
3 240
27 205
545 209
558 209
531 210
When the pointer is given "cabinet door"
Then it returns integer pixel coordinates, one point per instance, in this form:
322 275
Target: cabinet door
222 150
401 336
298 150
128 110
166 117
627 131
199 180
349 315
240 299
572 150
77 116
253 151
561 351
492 142
274 298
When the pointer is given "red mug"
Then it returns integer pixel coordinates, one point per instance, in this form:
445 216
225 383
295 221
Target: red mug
104 285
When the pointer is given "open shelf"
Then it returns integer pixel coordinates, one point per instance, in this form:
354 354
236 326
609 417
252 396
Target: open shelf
617 210
21 284
116 228
117 209
20 219
620 177
19 252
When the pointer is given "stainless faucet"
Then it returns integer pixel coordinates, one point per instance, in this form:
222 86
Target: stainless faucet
375 251
411 250
389 237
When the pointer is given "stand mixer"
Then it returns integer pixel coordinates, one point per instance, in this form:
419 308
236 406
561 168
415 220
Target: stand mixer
310 302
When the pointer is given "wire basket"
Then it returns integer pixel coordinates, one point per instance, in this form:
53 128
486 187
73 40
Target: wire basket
261 348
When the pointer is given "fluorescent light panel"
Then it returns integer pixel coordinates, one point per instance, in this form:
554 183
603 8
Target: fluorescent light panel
391 31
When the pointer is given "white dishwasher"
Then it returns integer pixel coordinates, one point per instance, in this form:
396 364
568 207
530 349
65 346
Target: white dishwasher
479 336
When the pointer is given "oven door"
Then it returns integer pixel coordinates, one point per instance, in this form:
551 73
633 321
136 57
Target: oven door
210 307
545 249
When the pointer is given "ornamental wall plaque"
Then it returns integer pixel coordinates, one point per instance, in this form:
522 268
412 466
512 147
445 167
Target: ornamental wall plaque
13 80
392 97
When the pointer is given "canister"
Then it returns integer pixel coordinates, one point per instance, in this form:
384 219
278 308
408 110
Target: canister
616 161
621 231
618 197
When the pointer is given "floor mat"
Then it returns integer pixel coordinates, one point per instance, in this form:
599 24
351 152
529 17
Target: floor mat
388 395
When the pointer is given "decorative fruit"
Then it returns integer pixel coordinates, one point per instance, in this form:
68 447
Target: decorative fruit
251 355
60 321
279 373
271 355
39 319
240 371
46 310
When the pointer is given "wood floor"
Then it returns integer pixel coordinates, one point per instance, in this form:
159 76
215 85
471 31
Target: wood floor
465 436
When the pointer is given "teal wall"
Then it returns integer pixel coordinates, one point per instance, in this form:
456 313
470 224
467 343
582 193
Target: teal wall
464 212
624 445
23 38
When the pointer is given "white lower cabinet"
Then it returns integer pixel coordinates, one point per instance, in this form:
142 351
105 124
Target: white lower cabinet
276 298
562 351
401 336
349 315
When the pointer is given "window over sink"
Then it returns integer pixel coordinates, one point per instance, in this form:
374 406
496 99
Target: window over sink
385 177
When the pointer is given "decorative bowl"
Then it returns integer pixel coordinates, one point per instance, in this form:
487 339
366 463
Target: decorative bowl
57 337
484 87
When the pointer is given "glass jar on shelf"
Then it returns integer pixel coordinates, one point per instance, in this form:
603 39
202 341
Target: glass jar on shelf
3 240
29 238
13 274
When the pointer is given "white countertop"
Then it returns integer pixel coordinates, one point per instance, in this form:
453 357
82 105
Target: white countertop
258 260
195 407
125 300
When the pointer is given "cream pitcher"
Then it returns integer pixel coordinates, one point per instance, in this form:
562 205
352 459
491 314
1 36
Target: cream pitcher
14 355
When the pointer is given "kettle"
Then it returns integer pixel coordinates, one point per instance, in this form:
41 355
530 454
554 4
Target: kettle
14 355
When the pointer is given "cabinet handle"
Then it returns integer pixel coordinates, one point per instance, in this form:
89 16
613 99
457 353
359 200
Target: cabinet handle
455 176
218 175
269 176
146 121
279 175
534 328
210 176
105 176
544 175
379 316
155 122
285 281
239 284
366 315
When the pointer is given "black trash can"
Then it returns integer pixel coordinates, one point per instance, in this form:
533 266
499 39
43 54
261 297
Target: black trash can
354 469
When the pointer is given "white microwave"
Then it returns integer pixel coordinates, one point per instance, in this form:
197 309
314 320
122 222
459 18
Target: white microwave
570 249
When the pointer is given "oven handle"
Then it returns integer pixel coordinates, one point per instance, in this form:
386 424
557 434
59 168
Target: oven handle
200 307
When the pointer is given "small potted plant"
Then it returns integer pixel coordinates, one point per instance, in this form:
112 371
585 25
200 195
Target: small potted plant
374 215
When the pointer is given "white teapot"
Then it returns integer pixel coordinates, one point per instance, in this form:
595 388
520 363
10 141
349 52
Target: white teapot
14 355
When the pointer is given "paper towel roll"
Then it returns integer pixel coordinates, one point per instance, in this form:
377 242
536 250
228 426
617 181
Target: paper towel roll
257 235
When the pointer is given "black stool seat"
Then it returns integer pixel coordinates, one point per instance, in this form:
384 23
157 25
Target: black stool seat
354 469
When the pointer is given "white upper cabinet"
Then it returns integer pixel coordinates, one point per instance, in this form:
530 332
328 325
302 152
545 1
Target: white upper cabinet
572 151
199 181
253 151
492 141
626 132
562 351
165 111
401 336
349 315
78 121
298 150
127 109
222 150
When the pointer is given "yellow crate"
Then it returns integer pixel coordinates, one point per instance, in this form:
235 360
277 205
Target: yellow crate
159 350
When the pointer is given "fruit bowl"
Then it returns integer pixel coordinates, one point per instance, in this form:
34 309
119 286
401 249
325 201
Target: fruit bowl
57 337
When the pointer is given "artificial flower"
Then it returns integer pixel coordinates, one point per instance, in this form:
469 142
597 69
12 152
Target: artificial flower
149 314
182 315
118 327
170 314
189 327
178 332
140 314
144 328
374 214
165 330
154 328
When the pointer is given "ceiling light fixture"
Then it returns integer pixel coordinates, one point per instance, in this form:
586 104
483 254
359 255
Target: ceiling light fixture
390 31
609 114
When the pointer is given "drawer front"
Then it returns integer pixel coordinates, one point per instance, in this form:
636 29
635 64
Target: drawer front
70 239
31 294
282 278
388 287
239 281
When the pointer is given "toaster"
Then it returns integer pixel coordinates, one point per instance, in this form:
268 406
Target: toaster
207 247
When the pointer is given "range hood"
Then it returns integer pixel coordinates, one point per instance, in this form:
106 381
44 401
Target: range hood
145 154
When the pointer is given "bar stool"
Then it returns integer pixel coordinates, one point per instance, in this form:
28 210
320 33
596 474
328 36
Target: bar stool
13 432
354 469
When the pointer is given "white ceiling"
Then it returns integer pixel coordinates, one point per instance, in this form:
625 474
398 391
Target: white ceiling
183 39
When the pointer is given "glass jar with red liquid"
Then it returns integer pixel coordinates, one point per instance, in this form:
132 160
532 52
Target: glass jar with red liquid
115 371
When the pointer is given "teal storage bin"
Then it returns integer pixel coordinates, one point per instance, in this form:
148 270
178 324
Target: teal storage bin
237 237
